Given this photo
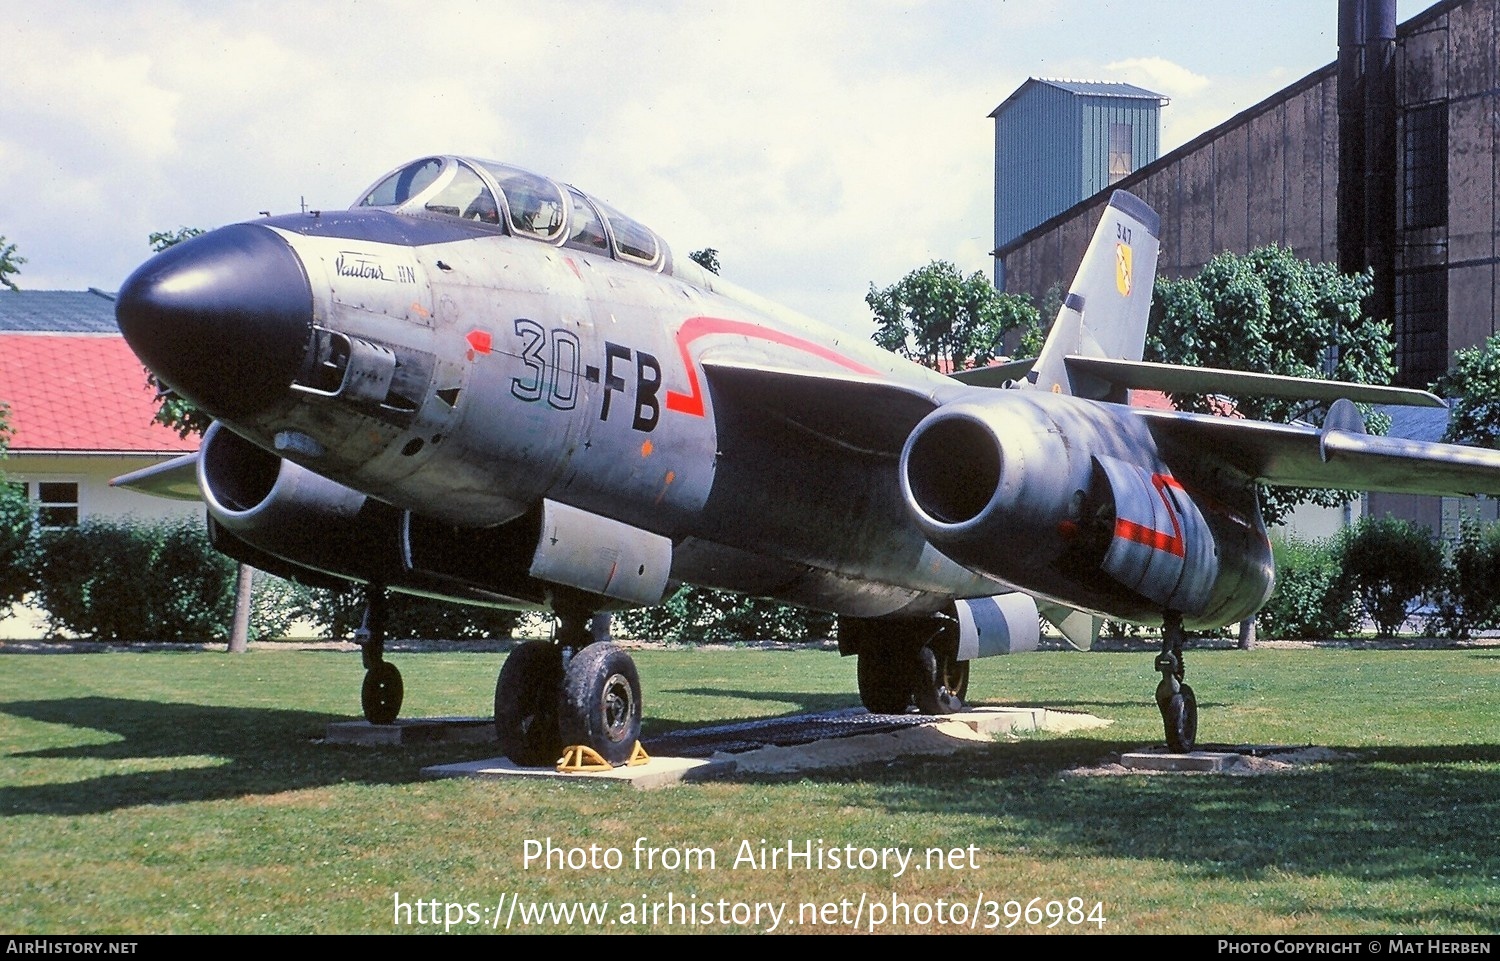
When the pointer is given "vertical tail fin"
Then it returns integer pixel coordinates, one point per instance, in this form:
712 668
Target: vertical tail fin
1106 309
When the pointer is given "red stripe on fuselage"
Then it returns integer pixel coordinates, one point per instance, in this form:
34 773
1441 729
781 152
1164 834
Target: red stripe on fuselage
1149 536
696 327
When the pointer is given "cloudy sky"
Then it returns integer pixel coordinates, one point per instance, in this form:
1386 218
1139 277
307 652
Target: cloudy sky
819 146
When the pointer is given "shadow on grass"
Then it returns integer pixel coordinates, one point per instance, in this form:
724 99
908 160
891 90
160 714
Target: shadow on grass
260 751
1396 815
804 702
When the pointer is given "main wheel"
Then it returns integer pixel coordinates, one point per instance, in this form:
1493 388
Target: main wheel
1179 716
883 687
940 682
601 702
380 695
526 704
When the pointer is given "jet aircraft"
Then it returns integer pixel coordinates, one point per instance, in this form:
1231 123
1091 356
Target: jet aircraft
484 385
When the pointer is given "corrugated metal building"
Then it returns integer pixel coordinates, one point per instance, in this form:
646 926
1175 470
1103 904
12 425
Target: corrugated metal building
1059 141
1388 158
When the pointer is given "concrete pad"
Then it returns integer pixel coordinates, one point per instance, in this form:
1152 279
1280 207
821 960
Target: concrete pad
658 772
419 730
936 737
1018 720
1213 762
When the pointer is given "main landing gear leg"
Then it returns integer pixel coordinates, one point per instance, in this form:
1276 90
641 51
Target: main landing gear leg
1179 707
381 693
582 689
901 662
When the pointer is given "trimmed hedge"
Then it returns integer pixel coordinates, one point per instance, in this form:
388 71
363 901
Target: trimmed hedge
122 581
1312 598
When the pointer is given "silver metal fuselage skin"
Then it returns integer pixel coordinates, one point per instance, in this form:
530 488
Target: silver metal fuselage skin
456 380
577 378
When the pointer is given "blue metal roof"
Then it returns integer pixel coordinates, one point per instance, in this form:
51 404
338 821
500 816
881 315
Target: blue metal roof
89 311
1415 423
1088 88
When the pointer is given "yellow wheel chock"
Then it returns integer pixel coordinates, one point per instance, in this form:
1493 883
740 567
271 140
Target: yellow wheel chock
579 758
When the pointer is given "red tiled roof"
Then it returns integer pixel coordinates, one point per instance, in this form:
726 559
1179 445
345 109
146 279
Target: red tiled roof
79 393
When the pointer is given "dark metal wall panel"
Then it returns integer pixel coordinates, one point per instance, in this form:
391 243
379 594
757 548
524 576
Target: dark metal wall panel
1197 242
1424 510
1473 66
1308 169
1471 306
1232 189
1422 74
1160 191
1473 217
1266 176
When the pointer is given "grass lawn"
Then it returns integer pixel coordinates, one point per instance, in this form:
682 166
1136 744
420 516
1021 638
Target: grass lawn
188 792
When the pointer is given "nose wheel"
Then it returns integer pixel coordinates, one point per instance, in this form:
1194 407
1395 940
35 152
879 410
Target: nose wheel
381 693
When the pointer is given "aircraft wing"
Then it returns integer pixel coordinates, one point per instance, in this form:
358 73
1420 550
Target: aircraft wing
1290 455
855 412
176 479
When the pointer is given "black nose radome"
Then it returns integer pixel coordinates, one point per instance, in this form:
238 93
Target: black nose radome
223 319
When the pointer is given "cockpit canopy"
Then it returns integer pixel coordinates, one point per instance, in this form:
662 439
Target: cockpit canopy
518 202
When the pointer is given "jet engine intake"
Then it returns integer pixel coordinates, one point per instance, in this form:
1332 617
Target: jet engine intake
290 512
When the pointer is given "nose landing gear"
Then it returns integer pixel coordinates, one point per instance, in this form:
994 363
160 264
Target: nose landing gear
380 694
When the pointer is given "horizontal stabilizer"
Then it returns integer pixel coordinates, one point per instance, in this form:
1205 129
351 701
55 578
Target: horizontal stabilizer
995 375
1173 379
176 479
1293 455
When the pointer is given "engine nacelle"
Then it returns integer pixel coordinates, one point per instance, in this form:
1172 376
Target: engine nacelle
287 511
291 518
1069 501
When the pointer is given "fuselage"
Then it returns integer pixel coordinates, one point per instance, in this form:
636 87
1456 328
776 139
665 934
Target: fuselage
473 341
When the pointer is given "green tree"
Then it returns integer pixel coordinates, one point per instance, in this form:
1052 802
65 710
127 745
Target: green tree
707 258
943 320
16 532
1272 312
161 240
10 263
1473 389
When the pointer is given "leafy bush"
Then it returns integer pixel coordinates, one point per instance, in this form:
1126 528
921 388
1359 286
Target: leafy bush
1466 601
121 581
700 614
340 613
17 558
1391 564
1312 598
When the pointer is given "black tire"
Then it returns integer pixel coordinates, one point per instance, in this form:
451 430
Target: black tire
381 693
940 682
526 704
601 702
883 687
1179 716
